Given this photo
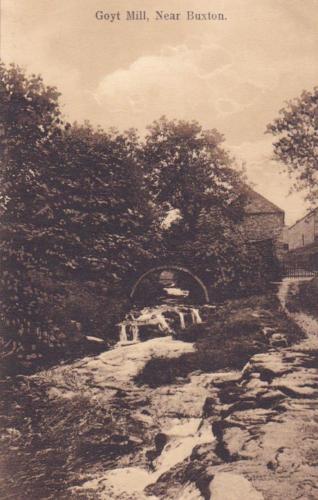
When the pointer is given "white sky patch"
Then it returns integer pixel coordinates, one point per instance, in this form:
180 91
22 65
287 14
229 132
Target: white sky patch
267 178
172 216
233 76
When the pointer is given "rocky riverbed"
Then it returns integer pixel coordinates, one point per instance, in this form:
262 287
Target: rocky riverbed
91 433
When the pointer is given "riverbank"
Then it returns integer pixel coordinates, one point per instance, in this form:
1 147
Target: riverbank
265 425
226 339
87 431
303 297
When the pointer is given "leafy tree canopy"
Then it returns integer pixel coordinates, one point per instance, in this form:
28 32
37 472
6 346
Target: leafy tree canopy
188 169
296 130
81 209
74 207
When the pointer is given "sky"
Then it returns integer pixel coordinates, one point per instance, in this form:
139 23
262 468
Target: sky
233 75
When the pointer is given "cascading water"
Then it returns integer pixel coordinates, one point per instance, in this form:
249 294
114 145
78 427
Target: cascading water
133 480
160 317
182 321
163 324
123 333
171 314
196 318
135 333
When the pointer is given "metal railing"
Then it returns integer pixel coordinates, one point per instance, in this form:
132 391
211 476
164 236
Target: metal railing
298 272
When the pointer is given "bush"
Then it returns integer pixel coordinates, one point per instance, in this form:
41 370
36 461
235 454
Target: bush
304 297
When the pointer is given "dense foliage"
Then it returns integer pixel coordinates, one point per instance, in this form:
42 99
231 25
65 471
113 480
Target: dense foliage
192 176
74 210
188 170
83 210
297 145
303 296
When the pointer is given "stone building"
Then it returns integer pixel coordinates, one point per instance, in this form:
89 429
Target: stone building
304 232
264 221
303 241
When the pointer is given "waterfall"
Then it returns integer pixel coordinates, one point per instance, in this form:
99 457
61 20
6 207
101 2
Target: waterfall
196 318
182 322
159 317
135 332
163 324
123 333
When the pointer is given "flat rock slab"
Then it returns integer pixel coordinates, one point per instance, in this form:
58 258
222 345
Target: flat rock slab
228 486
110 371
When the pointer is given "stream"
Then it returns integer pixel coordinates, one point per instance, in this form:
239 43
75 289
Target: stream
162 317
171 414
86 430
175 410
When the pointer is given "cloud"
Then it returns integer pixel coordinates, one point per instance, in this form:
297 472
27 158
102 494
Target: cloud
233 76
184 82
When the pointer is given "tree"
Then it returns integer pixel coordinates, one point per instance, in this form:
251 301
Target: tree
30 122
74 209
188 169
297 146
102 216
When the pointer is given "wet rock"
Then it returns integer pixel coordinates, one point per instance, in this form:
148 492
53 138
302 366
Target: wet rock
271 398
255 383
268 331
230 393
205 453
278 340
250 417
269 365
187 492
299 384
136 441
234 439
143 416
111 371
242 404
208 407
221 378
264 424
185 482
228 486
294 390
121 394
161 440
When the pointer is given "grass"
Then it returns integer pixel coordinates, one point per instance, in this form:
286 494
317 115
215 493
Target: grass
47 444
229 336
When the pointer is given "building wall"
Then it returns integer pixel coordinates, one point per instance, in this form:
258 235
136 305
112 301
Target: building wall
304 232
263 226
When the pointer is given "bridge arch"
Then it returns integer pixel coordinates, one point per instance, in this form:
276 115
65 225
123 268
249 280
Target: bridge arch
171 268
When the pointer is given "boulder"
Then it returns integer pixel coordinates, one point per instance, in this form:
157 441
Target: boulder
234 439
228 486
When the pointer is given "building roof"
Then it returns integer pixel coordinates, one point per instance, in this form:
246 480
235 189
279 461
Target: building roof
258 204
308 214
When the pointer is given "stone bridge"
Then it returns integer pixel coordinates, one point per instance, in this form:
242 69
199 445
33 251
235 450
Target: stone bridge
180 269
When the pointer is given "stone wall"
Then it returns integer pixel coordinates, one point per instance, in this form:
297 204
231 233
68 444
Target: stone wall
263 226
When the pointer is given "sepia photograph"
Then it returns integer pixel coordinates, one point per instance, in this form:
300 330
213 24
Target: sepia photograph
158 250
